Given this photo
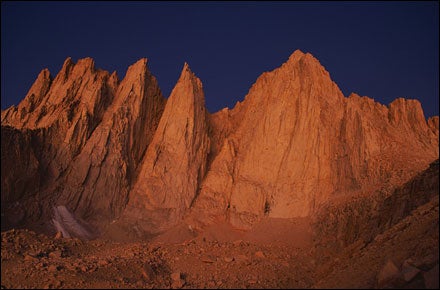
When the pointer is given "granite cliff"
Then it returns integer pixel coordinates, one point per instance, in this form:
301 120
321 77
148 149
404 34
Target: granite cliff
118 154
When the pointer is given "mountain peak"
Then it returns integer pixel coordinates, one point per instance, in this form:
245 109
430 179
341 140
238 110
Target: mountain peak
86 62
44 73
140 63
120 150
186 66
182 134
188 79
66 68
299 57
354 95
44 76
137 68
187 73
297 54
68 61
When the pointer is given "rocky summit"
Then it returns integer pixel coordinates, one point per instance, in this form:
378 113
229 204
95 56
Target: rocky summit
92 157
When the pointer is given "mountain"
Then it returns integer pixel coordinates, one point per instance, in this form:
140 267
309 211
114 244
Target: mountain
97 131
176 160
296 142
118 154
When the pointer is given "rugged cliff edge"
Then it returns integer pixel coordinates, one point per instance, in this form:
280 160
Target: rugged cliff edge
175 162
118 153
296 142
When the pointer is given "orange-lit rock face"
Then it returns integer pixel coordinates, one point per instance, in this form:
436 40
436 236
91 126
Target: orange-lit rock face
106 148
108 164
91 132
298 141
63 112
175 162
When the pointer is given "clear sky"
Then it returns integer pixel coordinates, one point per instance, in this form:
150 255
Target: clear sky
383 50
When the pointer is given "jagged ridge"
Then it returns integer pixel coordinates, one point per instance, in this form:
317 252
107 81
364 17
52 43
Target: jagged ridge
107 149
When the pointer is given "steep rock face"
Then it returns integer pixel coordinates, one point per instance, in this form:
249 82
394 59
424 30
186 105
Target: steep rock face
270 163
56 118
377 142
95 145
361 218
63 113
300 142
433 124
175 162
97 182
19 175
78 88
88 133
18 116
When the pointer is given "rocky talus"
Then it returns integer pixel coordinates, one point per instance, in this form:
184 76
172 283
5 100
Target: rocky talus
355 221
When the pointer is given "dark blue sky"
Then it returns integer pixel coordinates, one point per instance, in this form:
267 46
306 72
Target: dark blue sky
383 50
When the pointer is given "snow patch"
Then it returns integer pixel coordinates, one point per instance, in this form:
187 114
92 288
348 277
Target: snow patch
68 225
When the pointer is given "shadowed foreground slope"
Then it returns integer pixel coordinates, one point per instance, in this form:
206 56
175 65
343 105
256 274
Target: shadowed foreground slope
274 254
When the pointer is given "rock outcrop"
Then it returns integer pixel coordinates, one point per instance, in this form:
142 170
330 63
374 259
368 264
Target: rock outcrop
62 113
21 166
118 151
175 162
357 220
298 141
99 179
433 124
89 134
20 174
